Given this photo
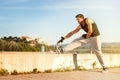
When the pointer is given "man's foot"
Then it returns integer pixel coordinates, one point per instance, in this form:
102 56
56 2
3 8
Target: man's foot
60 50
105 70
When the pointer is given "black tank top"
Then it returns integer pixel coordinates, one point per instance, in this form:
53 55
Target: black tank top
95 31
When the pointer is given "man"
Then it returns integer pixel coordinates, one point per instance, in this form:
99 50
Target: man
92 37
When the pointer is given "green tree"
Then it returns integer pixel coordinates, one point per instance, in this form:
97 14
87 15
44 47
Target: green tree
2 45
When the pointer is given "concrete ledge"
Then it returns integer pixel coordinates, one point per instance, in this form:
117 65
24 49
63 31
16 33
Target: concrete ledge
27 61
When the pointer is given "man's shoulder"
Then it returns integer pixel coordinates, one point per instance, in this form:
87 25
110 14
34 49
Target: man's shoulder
89 20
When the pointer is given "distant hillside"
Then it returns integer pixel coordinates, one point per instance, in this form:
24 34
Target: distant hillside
110 45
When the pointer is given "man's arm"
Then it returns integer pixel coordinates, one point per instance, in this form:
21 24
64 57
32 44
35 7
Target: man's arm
89 23
73 32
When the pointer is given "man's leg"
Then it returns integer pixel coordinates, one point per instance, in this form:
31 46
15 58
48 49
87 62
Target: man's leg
76 43
96 44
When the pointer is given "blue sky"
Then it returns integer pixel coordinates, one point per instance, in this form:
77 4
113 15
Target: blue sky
51 19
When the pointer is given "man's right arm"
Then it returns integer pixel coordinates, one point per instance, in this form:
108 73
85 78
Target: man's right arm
73 32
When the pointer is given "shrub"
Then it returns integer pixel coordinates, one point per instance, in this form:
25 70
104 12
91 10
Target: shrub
4 72
64 69
48 71
94 64
59 70
35 70
14 72
80 68
68 69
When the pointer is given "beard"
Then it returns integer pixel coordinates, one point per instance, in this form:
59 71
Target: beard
79 22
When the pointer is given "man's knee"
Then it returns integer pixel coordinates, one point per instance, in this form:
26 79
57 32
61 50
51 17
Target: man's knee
98 52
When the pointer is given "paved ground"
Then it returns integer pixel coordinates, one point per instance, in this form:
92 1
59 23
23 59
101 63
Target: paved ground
113 74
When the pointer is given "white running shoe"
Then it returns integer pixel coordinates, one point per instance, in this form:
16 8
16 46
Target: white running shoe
59 49
105 70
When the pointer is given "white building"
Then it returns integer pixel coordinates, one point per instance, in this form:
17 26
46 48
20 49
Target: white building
33 41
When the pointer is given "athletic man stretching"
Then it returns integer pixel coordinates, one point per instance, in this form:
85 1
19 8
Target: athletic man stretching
92 37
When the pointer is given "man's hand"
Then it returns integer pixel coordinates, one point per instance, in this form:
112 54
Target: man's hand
61 40
85 36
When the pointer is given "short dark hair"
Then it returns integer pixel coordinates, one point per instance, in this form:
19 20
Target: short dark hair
79 15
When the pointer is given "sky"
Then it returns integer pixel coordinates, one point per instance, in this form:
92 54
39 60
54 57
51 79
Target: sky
51 19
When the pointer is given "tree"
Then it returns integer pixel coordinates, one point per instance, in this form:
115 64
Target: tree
16 44
2 45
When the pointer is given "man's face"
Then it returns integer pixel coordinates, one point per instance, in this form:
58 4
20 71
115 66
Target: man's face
79 20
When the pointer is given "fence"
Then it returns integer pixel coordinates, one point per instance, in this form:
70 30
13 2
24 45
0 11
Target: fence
27 61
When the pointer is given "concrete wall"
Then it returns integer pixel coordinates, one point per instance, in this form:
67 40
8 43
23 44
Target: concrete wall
27 61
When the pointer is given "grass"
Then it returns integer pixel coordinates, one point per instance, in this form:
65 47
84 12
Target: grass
35 70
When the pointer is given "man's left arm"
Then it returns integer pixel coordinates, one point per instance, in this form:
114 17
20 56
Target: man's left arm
89 23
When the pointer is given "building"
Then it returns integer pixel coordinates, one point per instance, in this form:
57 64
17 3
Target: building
34 41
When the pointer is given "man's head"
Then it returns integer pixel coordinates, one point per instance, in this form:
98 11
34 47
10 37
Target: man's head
79 17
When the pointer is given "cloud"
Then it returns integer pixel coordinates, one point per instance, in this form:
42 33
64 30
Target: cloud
58 6
72 6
